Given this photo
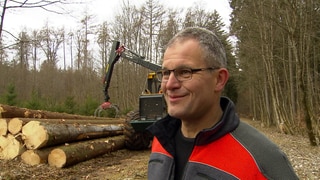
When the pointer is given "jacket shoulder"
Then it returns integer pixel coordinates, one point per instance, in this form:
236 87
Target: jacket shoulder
272 162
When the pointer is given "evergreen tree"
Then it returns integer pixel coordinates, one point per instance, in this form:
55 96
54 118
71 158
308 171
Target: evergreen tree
10 97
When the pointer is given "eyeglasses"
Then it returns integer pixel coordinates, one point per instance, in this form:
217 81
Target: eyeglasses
182 74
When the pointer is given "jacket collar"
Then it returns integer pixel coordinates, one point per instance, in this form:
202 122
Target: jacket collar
166 128
228 122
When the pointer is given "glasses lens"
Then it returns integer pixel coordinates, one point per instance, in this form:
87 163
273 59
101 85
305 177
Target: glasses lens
183 74
180 74
163 75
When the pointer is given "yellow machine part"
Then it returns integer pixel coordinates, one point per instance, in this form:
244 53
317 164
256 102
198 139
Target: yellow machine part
151 75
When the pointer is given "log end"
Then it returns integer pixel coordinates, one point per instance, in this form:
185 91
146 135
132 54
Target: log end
35 136
15 125
10 147
30 157
3 127
57 158
1 111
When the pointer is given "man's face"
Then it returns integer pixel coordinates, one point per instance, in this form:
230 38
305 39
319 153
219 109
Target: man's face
191 99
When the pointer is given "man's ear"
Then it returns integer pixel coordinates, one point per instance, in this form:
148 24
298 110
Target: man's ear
222 78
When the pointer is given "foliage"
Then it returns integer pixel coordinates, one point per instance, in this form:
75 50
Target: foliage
36 101
231 90
11 95
61 71
89 106
70 105
278 54
273 61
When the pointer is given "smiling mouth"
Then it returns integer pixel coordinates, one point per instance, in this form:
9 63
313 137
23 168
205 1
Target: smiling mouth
174 98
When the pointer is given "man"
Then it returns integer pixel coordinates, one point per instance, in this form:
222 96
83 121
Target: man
202 136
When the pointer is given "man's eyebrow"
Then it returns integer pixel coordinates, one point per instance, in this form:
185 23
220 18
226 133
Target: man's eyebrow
178 67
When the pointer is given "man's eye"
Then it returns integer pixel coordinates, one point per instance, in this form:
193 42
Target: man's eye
165 73
183 72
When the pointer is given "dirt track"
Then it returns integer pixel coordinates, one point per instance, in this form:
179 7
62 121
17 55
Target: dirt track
132 165
122 164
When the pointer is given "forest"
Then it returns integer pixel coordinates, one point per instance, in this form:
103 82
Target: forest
272 46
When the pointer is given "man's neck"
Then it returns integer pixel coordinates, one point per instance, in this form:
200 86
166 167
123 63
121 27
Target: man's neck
190 128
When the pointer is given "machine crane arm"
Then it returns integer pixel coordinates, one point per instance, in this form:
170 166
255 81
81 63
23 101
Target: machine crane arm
117 52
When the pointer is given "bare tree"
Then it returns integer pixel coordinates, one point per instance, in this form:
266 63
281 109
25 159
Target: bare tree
43 4
87 29
35 43
277 51
51 41
79 47
153 19
23 48
171 26
104 43
126 28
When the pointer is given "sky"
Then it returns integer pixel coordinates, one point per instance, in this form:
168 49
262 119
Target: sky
20 19
103 10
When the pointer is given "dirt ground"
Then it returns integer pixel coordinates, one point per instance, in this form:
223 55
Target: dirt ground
132 165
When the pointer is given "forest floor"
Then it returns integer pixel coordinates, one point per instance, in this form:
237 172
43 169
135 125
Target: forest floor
132 165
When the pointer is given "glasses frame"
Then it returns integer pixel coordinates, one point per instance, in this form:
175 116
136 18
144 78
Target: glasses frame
160 73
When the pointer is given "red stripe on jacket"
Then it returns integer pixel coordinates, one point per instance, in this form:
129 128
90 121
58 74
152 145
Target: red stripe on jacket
228 155
157 148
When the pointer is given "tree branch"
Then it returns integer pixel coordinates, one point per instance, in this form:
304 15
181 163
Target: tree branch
40 4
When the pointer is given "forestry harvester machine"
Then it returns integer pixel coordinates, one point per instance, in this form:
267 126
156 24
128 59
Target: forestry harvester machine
152 106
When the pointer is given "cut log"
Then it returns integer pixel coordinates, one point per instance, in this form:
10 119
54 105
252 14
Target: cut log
3 127
10 147
74 153
15 125
22 121
35 157
38 134
13 111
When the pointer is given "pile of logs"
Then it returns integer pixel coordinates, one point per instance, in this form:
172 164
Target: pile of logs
58 139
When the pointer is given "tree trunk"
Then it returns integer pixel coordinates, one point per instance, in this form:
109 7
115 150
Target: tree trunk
3 127
10 147
38 134
74 121
67 155
15 124
13 112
